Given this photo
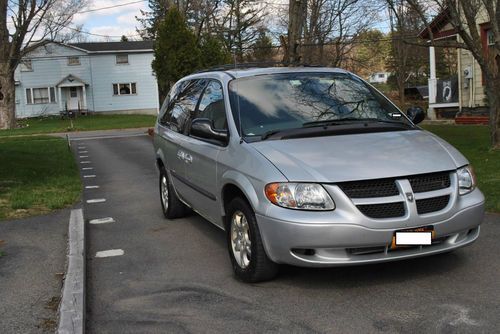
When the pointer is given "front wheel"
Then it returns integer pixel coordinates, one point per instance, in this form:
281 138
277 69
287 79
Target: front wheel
171 206
246 250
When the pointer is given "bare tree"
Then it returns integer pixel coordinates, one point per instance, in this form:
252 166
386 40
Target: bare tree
31 22
325 31
406 60
468 18
297 14
238 22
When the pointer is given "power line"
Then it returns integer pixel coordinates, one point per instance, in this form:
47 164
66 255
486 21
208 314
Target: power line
110 7
88 11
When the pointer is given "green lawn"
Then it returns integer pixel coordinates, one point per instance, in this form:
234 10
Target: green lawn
474 143
82 123
37 175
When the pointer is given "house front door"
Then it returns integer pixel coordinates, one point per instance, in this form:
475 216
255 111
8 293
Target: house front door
74 98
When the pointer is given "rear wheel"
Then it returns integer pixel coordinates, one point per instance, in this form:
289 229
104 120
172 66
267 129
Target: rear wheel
248 257
172 207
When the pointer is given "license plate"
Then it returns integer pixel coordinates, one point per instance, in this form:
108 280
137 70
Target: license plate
413 238
421 236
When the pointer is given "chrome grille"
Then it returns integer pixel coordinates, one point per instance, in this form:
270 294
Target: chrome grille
432 204
429 182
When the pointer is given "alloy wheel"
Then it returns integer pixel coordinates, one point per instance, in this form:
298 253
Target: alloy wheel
240 239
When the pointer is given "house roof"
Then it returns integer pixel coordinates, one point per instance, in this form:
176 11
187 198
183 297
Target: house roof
72 80
437 24
115 46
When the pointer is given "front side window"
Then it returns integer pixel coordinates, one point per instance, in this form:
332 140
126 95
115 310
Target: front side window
280 102
40 95
122 59
184 105
490 38
212 106
125 88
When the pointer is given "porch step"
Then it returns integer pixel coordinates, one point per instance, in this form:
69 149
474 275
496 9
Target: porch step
484 120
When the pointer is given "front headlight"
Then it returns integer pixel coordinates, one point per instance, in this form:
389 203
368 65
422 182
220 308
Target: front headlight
299 196
466 180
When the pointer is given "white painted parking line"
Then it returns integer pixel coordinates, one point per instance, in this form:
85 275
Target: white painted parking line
83 156
96 200
83 152
82 147
87 168
91 187
85 162
87 176
106 220
111 252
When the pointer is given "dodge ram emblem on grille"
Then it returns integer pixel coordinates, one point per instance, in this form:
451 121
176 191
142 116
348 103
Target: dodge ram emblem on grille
410 197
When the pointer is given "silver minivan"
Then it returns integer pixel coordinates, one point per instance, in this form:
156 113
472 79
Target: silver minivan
310 167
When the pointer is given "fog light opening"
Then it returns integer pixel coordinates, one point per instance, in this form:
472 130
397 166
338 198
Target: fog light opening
304 251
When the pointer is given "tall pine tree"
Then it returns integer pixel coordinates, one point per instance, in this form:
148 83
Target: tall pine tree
176 52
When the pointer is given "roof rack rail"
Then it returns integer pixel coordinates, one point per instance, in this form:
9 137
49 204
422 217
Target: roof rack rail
236 66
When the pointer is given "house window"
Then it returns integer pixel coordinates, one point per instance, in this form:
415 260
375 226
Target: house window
490 37
73 61
40 95
26 65
125 88
122 59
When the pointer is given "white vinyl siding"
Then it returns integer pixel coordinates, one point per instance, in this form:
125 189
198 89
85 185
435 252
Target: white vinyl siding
26 65
40 95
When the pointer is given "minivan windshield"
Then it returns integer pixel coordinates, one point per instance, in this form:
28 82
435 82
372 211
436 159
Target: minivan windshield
272 103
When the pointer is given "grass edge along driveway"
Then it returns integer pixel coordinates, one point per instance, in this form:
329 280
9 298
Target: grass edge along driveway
53 124
37 175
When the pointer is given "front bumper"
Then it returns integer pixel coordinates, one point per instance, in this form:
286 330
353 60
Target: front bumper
338 243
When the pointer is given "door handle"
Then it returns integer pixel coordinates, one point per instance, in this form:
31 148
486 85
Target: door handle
180 155
188 158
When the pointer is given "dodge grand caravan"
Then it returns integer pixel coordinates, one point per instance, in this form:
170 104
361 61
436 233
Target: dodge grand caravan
310 167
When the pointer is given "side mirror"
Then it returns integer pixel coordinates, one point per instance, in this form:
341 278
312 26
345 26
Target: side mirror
203 128
416 114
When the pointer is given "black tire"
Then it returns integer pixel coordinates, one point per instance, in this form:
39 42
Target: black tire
259 267
173 208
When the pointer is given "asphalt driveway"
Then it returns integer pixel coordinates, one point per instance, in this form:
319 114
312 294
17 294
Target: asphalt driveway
150 275
31 272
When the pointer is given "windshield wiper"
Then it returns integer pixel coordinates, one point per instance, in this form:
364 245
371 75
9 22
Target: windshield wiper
268 134
338 121
349 119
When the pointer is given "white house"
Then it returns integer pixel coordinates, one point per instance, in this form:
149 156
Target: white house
379 77
107 77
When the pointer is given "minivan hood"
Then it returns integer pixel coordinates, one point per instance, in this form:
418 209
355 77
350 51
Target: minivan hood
360 156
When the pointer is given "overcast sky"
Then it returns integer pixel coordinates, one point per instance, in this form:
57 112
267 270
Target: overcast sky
111 22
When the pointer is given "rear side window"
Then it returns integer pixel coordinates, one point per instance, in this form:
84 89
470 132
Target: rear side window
181 106
212 106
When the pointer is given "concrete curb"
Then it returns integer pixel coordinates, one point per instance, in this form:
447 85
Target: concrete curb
72 307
